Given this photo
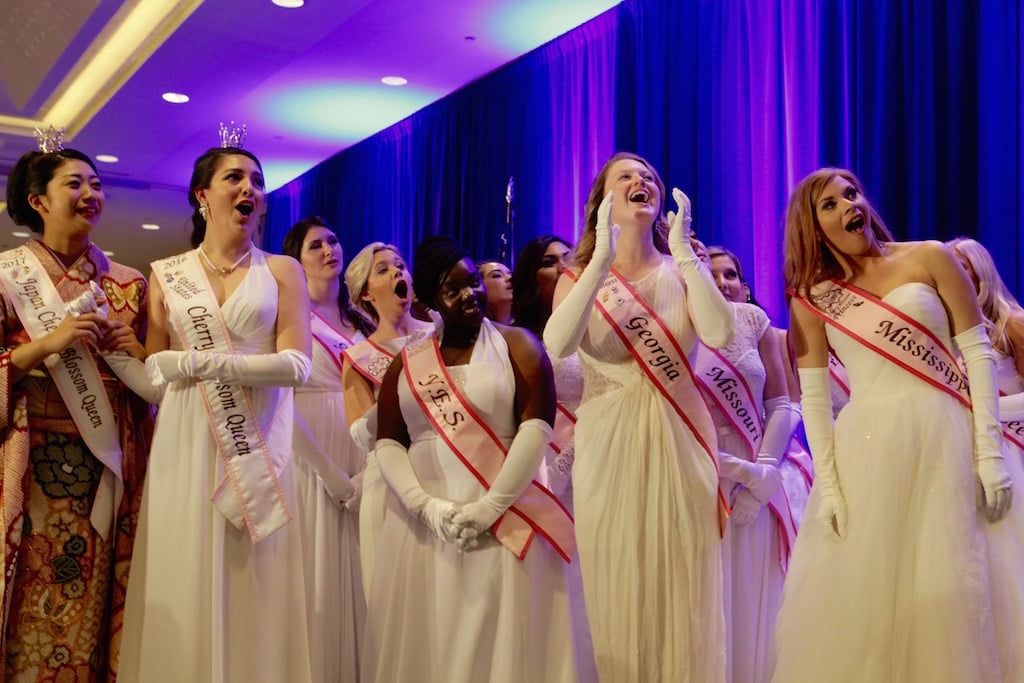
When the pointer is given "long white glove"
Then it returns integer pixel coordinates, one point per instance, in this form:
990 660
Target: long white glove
521 463
364 430
132 372
995 490
762 477
396 468
817 409
565 328
745 508
287 368
335 479
712 315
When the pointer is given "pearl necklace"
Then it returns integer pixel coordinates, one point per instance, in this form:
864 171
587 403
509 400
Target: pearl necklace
222 270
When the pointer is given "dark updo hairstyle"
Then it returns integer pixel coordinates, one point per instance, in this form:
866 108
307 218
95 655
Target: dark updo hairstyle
30 176
435 257
292 246
202 176
716 250
527 309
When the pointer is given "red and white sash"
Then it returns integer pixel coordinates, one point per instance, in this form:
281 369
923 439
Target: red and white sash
322 334
250 495
898 338
370 359
564 429
726 387
74 371
537 510
659 356
837 373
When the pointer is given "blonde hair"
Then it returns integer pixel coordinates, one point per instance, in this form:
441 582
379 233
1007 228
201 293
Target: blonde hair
997 303
358 273
809 260
585 247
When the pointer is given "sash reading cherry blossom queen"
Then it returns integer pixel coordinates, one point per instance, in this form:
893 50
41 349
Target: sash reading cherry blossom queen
660 358
74 371
537 510
250 494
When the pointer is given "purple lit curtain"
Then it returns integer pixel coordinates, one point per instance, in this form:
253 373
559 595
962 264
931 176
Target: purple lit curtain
733 101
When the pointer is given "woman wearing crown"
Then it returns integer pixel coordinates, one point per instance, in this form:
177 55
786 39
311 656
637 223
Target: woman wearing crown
74 439
218 595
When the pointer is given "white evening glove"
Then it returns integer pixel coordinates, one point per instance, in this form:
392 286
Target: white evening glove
287 368
352 503
817 409
132 372
569 321
396 468
93 300
335 479
364 430
995 490
745 508
520 467
712 315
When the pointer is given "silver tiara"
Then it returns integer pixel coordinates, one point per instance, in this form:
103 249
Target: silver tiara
50 140
230 136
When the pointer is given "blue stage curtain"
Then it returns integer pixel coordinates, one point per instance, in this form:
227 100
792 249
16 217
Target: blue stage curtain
733 101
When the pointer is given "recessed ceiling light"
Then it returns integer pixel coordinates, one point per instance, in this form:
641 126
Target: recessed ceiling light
107 158
290 4
108 253
393 80
150 226
20 233
175 97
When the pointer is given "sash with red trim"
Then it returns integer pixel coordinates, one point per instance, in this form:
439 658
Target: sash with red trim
537 510
565 427
896 337
370 359
726 387
660 358
322 334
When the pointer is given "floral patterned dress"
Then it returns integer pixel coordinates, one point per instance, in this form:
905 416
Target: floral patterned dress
64 586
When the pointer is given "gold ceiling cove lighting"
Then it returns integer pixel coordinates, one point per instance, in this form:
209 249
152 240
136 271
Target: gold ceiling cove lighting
126 42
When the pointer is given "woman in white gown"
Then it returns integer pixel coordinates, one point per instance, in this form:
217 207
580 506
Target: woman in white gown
328 463
381 285
216 591
450 601
647 502
899 577
754 554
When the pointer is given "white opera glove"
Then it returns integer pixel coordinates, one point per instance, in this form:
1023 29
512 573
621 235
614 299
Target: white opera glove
565 327
1011 407
352 502
287 368
132 372
817 410
307 447
995 491
396 468
745 508
778 430
712 314
364 430
520 467
92 300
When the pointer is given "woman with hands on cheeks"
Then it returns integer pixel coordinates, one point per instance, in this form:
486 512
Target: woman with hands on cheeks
218 595
464 418
909 575
646 482
74 439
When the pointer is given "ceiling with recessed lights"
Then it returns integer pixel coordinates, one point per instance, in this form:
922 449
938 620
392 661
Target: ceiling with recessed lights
307 81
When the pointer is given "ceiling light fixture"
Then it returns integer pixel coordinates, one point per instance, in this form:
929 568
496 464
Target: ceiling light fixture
150 226
107 158
393 80
289 4
175 97
20 233
108 253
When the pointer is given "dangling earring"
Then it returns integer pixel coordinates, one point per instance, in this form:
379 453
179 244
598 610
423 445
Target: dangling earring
748 297
204 211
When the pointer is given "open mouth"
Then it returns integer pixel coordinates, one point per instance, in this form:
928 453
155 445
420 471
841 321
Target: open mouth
245 209
855 225
640 196
402 290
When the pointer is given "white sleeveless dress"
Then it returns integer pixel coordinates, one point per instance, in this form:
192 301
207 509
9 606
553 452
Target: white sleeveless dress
922 588
204 603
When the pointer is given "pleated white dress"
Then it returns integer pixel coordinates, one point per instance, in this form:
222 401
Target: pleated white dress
646 516
483 616
922 588
204 603
335 603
